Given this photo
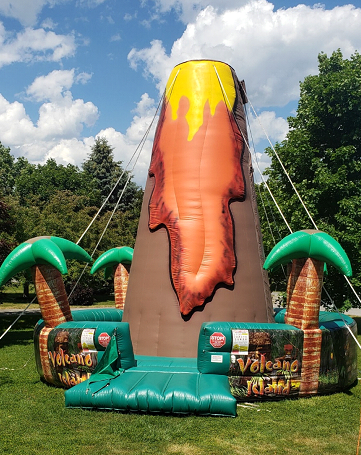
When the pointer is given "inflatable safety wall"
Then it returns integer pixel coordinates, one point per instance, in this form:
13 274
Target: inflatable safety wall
198 253
68 356
268 361
70 352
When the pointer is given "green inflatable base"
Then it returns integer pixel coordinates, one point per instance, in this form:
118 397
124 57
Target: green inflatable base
163 392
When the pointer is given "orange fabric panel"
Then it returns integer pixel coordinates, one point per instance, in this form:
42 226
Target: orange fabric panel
195 180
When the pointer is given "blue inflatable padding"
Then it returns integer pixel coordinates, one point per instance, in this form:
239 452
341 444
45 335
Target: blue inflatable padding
157 392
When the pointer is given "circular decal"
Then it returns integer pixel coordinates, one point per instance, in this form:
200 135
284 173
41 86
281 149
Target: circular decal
217 340
104 339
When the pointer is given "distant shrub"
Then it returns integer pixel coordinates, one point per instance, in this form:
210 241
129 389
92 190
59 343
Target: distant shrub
82 295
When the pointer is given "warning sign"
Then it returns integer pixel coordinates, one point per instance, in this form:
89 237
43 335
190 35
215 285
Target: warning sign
217 340
104 339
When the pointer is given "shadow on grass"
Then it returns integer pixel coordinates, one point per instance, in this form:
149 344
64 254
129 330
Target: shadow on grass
22 331
15 297
6 380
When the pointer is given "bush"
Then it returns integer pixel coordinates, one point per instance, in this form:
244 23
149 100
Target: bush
81 295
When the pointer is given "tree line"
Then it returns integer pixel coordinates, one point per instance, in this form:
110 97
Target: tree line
53 199
322 154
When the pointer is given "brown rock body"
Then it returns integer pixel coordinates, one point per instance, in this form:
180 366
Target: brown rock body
158 291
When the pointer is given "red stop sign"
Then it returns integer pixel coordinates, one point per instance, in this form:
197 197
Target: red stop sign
217 340
104 339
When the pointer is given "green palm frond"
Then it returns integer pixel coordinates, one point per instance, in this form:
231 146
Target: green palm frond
309 244
112 257
41 250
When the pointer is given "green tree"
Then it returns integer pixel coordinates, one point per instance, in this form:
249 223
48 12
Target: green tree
57 200
7 222
101 167
7 175
44 180
322 154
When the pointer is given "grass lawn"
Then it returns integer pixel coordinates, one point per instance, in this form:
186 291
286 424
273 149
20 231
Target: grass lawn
11 298
34 420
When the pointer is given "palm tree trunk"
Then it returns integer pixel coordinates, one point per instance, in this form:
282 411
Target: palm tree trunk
304 293
121 276
311 360
303 307
52 297
44 356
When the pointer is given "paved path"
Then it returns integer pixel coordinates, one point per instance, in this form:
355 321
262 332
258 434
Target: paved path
16 311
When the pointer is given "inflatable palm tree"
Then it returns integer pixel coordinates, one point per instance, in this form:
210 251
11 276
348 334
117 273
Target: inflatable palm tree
309 250
119 261
46 256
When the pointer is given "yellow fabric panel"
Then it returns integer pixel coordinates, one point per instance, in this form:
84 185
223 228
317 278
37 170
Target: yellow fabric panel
198 81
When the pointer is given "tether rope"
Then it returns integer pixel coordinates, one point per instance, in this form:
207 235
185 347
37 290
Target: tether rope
283 168
140 148
298 195
266 215
270 192
16 320
259 188
248 147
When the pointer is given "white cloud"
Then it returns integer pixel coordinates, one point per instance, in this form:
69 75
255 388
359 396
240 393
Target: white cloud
55 85
83 78
61 119
128 17
126 146
51 86
271 50
136 141
48 23
268 123
16 128
265 129
90 3
116 37
73 151
65 118
57 133
260 162
25 11
34 45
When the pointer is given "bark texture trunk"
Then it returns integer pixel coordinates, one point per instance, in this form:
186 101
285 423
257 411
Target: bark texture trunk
44 356
121 276
304 293
303 308
52 297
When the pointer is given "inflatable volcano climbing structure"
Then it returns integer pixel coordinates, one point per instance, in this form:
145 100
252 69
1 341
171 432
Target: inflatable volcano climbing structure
198 330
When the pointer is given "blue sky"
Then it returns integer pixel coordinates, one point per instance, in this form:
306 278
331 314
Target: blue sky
74 69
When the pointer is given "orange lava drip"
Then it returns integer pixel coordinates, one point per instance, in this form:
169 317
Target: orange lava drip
195 180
